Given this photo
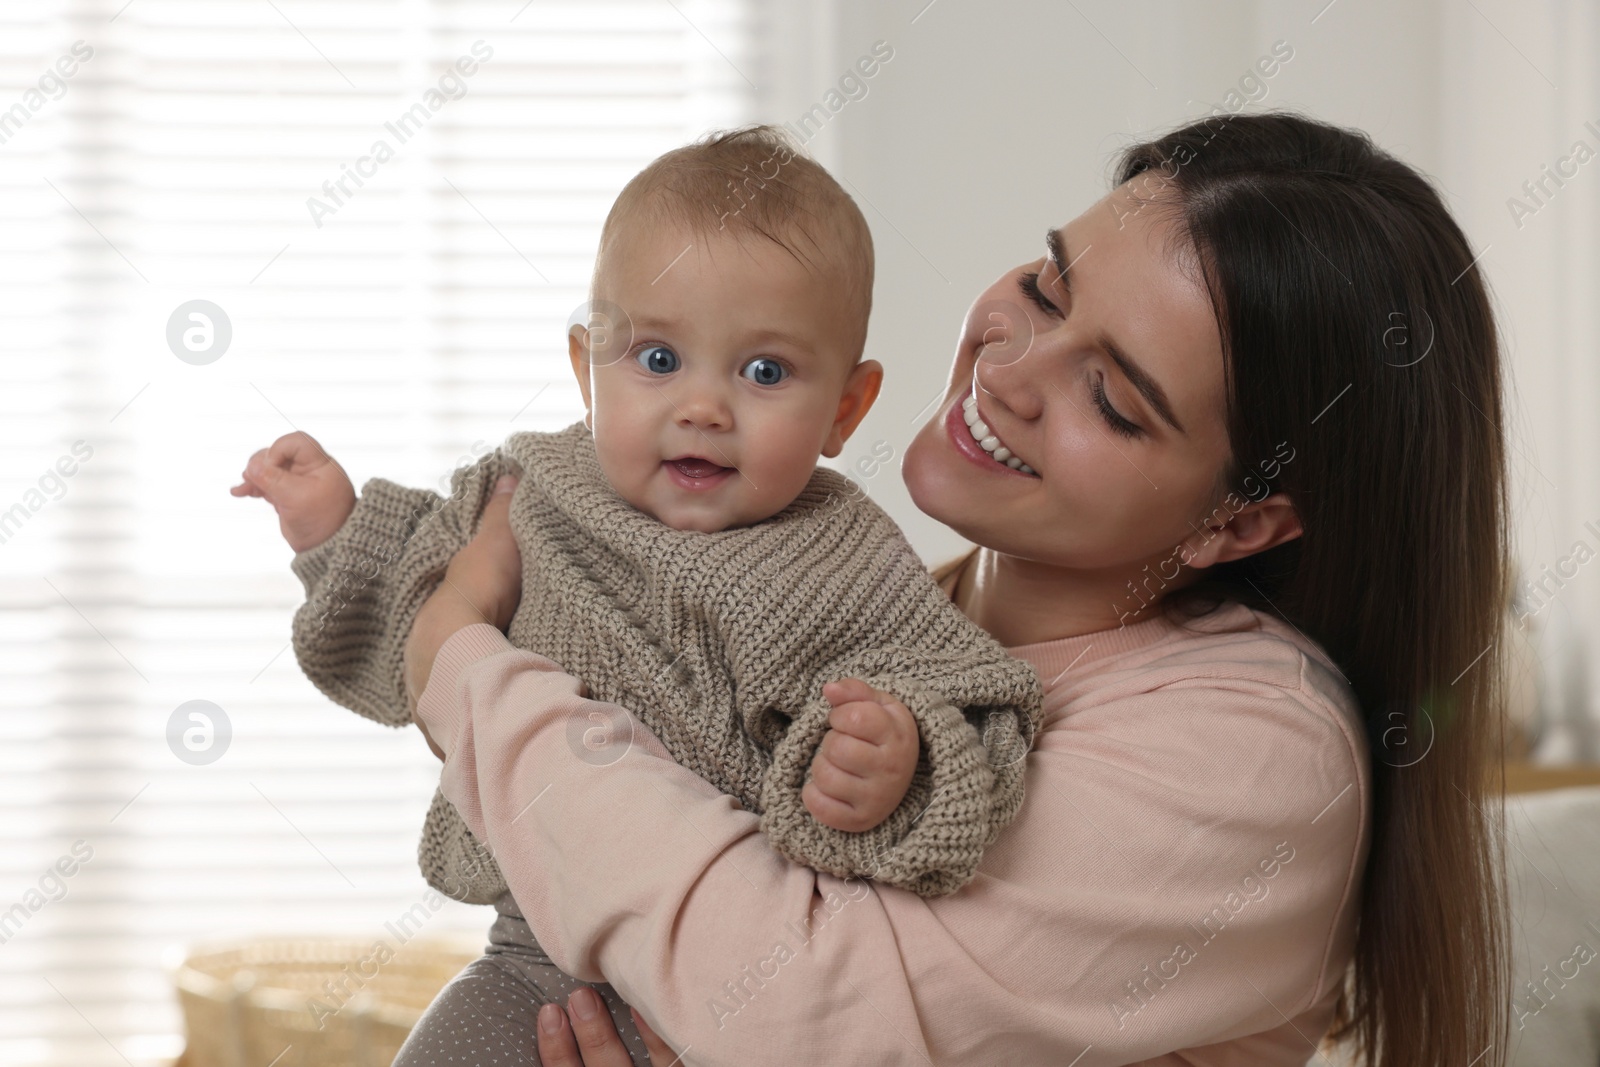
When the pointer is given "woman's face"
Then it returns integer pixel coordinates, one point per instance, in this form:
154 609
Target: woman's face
1106 379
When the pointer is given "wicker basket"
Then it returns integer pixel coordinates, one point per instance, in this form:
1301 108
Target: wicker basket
308 1002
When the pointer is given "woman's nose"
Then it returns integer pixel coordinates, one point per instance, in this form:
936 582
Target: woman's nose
1001 331
1012 374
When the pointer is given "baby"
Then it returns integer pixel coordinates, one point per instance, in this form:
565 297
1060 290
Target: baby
686 557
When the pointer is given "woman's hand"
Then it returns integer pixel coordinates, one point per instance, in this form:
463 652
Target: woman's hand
487 574
482 584
583 1036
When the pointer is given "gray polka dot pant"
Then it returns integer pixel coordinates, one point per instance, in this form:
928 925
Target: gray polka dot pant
488 1014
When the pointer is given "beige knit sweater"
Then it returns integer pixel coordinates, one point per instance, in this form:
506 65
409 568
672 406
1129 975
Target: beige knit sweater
719 642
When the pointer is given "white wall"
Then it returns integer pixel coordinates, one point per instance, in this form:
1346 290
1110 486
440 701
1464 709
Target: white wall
1520 84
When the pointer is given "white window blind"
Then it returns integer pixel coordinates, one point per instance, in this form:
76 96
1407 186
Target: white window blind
404 304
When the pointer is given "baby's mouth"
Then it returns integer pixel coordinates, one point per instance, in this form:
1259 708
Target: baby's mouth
697 467
986 438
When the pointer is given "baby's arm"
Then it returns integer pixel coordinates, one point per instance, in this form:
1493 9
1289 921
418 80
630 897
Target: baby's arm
865 763
366 575
974 718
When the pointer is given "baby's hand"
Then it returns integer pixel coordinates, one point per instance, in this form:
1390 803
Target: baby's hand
867 758
310 491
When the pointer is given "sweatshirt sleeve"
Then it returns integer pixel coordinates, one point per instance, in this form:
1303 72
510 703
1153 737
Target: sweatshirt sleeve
967 786
365 583
1179 876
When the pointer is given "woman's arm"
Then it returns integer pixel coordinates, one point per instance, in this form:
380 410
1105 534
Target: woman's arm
1122 934
1179 874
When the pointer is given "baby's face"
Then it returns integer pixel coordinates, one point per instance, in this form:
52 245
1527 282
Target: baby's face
735 370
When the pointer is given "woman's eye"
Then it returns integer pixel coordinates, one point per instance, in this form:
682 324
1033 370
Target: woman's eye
1029 284
765 371
1113 417
657 359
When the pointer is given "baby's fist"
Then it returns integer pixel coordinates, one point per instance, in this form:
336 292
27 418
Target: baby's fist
866 760
309 490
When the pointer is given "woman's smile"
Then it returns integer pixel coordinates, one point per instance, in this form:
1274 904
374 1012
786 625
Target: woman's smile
987 439
964 425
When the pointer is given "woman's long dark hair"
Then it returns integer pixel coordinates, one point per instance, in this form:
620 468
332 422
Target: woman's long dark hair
1357 329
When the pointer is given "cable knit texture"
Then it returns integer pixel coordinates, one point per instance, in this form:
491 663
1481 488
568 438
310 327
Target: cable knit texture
719 642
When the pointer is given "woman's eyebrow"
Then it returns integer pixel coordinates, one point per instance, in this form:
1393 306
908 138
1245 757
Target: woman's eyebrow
1149 388
1056 254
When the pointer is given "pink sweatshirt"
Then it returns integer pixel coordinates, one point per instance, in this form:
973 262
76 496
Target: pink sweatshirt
1183 874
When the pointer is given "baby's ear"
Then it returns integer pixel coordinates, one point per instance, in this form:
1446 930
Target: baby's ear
860 390
578 352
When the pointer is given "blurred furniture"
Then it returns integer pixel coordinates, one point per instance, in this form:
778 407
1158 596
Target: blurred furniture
1553 874
1536 778
1552 851
308 1002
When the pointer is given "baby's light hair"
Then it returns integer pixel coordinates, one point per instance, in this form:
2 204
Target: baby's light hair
752 181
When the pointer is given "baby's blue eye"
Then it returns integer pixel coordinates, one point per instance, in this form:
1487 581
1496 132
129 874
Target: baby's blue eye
658 359
765 371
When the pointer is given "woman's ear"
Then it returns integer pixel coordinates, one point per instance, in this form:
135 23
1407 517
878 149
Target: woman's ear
578 352
1254 526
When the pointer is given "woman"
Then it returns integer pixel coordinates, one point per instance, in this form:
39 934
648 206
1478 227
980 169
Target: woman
1259 570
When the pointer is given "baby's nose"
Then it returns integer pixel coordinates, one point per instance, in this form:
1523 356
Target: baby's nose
705 410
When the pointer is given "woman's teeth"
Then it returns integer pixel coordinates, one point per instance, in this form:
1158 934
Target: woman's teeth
987 440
